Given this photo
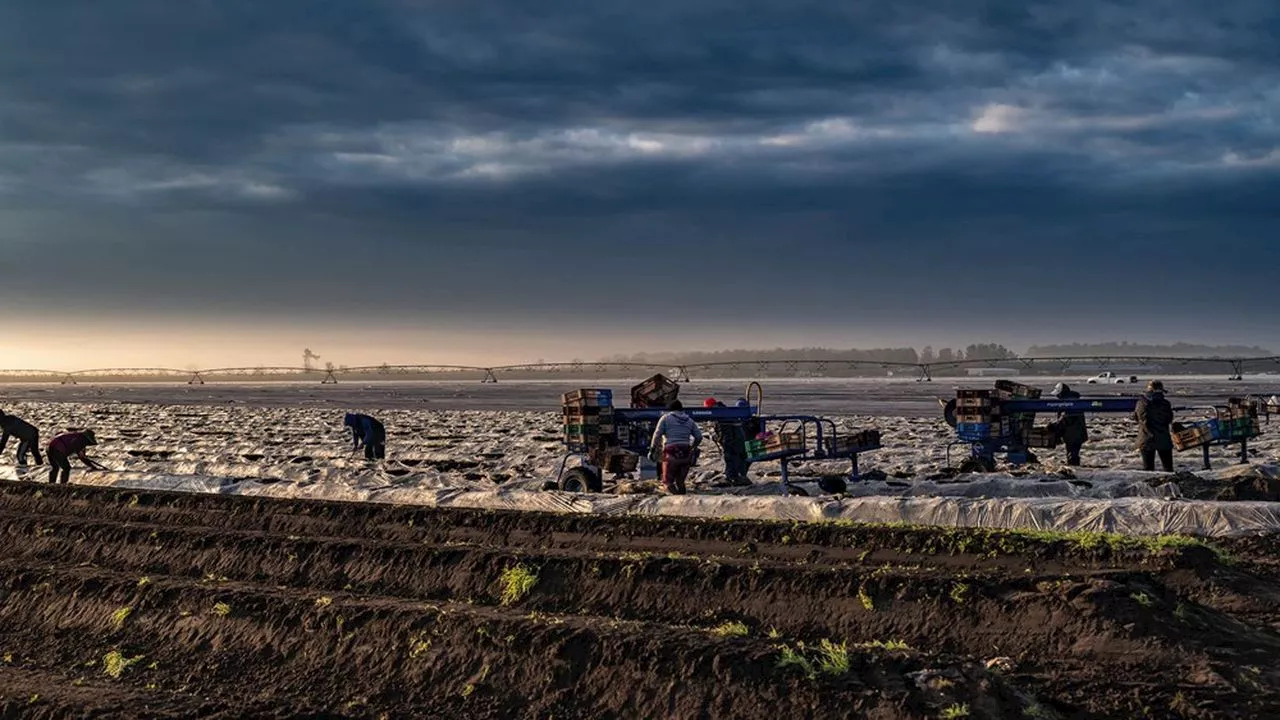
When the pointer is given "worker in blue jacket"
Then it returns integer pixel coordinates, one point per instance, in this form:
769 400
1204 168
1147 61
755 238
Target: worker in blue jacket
369 432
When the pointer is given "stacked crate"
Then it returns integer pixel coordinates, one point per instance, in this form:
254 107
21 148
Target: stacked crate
658 391
978 416
1237 420
1022 424
588 419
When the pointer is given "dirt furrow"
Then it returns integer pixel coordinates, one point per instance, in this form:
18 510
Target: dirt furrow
257 605
223 640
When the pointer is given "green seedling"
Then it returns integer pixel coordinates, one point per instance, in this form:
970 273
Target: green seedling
733 628
119 617
833 659
516 583
115 663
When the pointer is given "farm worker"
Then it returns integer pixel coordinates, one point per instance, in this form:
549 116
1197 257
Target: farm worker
732 438
63 446
678 436
370 432
711 402
27 434
1071 425
1155 416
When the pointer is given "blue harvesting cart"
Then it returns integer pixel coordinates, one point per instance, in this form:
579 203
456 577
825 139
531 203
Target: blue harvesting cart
623 439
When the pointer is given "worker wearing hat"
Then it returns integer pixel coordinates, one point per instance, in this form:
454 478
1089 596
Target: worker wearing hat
1155 419
1071 425
731 436
63 446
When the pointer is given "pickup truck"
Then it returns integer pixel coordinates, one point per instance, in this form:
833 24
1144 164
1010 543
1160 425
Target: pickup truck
1110 378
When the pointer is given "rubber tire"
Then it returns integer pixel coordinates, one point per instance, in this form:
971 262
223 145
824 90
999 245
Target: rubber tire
581 479
975 465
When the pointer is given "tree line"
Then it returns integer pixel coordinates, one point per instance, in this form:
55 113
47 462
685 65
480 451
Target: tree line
928 355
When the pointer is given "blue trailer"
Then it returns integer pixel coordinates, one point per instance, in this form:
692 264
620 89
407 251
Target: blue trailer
1011 442
632 430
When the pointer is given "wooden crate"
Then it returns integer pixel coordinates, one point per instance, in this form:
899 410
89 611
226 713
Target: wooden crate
784 441
854 442
1192 436
621 461
1042 437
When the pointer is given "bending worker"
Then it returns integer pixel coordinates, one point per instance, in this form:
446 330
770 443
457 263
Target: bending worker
63 446
1155 418
27 434
368 431
678 436
1071 425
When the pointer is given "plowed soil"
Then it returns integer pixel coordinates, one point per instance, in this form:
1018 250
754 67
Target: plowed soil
119 603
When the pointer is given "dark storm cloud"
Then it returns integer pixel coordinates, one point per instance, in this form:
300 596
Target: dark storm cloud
232 155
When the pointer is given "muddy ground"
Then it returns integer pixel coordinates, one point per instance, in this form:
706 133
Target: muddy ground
118 603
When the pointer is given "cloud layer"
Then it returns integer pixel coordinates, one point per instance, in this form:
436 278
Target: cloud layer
479 159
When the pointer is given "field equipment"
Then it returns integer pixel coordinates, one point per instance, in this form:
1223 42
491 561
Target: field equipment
606 439
1002 421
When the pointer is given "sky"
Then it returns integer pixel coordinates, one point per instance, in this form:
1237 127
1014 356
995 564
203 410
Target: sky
221 182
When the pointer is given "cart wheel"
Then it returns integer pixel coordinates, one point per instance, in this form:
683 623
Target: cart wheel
581 479
949 412
978 465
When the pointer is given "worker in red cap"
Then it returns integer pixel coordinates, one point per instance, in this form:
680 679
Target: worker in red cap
709 402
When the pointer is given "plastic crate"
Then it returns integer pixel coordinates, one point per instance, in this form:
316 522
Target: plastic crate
588 397
589 429
1237 428
587 410
577 419
658 391
1010 390
974 432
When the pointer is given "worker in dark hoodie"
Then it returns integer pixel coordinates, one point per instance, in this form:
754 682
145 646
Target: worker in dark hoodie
367 431
1155 419
63 446
28 437
1071 425
731 436
678 437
